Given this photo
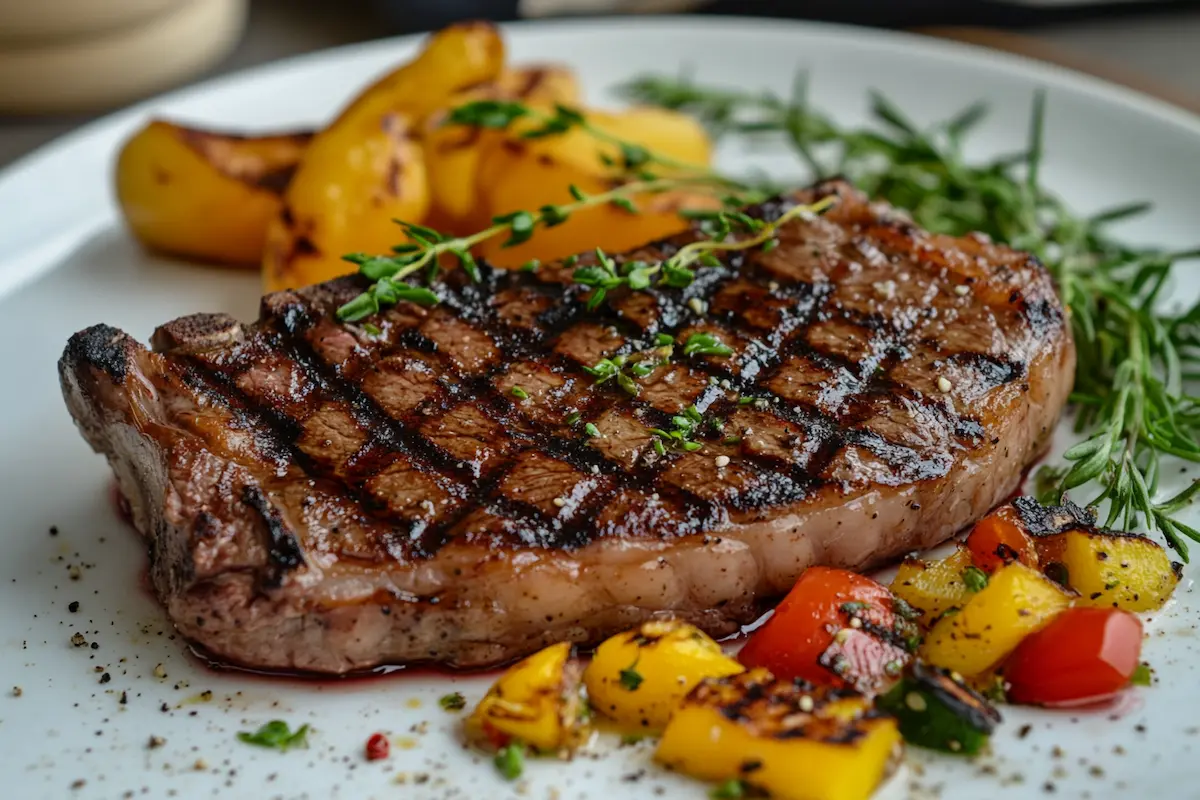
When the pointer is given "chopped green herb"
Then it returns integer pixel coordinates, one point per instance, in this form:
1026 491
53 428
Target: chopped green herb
531 265
519 393
630 678
706 344
510 760
573 417
373 330
664 339
659 447
732 789
1142 676
453 701
276 734
591 430
975 579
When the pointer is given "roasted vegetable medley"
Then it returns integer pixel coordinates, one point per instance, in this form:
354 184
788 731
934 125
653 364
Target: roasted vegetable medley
1034 608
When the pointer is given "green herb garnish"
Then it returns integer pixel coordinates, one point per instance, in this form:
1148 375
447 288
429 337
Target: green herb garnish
1142 675
975 579
732 789
706 344
591 430
519 393
452 702
683 428
276 734
1134 359
510 760
630 678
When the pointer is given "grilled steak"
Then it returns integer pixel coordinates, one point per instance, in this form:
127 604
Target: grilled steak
329 497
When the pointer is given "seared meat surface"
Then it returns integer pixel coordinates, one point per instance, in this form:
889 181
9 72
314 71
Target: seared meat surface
329 497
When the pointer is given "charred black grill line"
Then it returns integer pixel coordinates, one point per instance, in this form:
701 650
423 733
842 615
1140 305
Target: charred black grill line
283 551
767 350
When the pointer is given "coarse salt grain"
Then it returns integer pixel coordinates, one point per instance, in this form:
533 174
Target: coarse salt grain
721 461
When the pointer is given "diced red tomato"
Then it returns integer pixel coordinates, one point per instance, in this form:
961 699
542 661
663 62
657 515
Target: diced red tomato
1085 655
812 636
999 539
378 747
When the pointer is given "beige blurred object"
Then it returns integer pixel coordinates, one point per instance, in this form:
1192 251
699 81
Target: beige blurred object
131 49
47 19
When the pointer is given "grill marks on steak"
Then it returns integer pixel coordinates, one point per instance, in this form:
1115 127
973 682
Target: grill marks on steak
337 451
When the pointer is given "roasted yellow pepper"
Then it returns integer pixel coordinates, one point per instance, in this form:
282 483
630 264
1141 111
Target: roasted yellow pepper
536 702
204 194
638 677
791 743
367 168
1016 602
933 587
452 151
517 174
1117 570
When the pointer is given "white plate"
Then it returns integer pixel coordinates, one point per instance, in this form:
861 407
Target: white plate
60 237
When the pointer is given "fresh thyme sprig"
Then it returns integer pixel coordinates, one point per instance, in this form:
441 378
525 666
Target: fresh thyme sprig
635 159
677 271
1134 359
427 247
628 369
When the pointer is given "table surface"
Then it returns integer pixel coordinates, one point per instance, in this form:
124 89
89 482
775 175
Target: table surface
1154 52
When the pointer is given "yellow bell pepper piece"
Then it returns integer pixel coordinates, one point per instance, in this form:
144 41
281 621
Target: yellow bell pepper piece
536 701
933 587
791 743
1016 602
204 194
1112 569
638 677
367 168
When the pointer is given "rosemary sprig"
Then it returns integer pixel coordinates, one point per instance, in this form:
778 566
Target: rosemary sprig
1131 396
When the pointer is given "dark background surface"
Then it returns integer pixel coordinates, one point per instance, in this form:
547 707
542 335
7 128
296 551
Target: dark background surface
1153 46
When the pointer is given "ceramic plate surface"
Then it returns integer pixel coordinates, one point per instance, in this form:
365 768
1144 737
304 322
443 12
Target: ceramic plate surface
82 722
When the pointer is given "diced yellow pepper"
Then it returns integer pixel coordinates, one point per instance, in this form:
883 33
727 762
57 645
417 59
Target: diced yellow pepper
638 677
933 587
791 743
536 701
1016 602
1115 570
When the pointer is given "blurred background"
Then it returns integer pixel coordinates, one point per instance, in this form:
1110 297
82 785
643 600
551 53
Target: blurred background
64 62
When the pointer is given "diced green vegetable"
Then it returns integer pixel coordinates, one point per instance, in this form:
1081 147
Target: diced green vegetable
936 711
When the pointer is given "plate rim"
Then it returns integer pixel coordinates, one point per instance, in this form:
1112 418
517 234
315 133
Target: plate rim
24 264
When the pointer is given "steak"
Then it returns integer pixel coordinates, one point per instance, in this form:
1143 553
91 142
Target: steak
427 486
